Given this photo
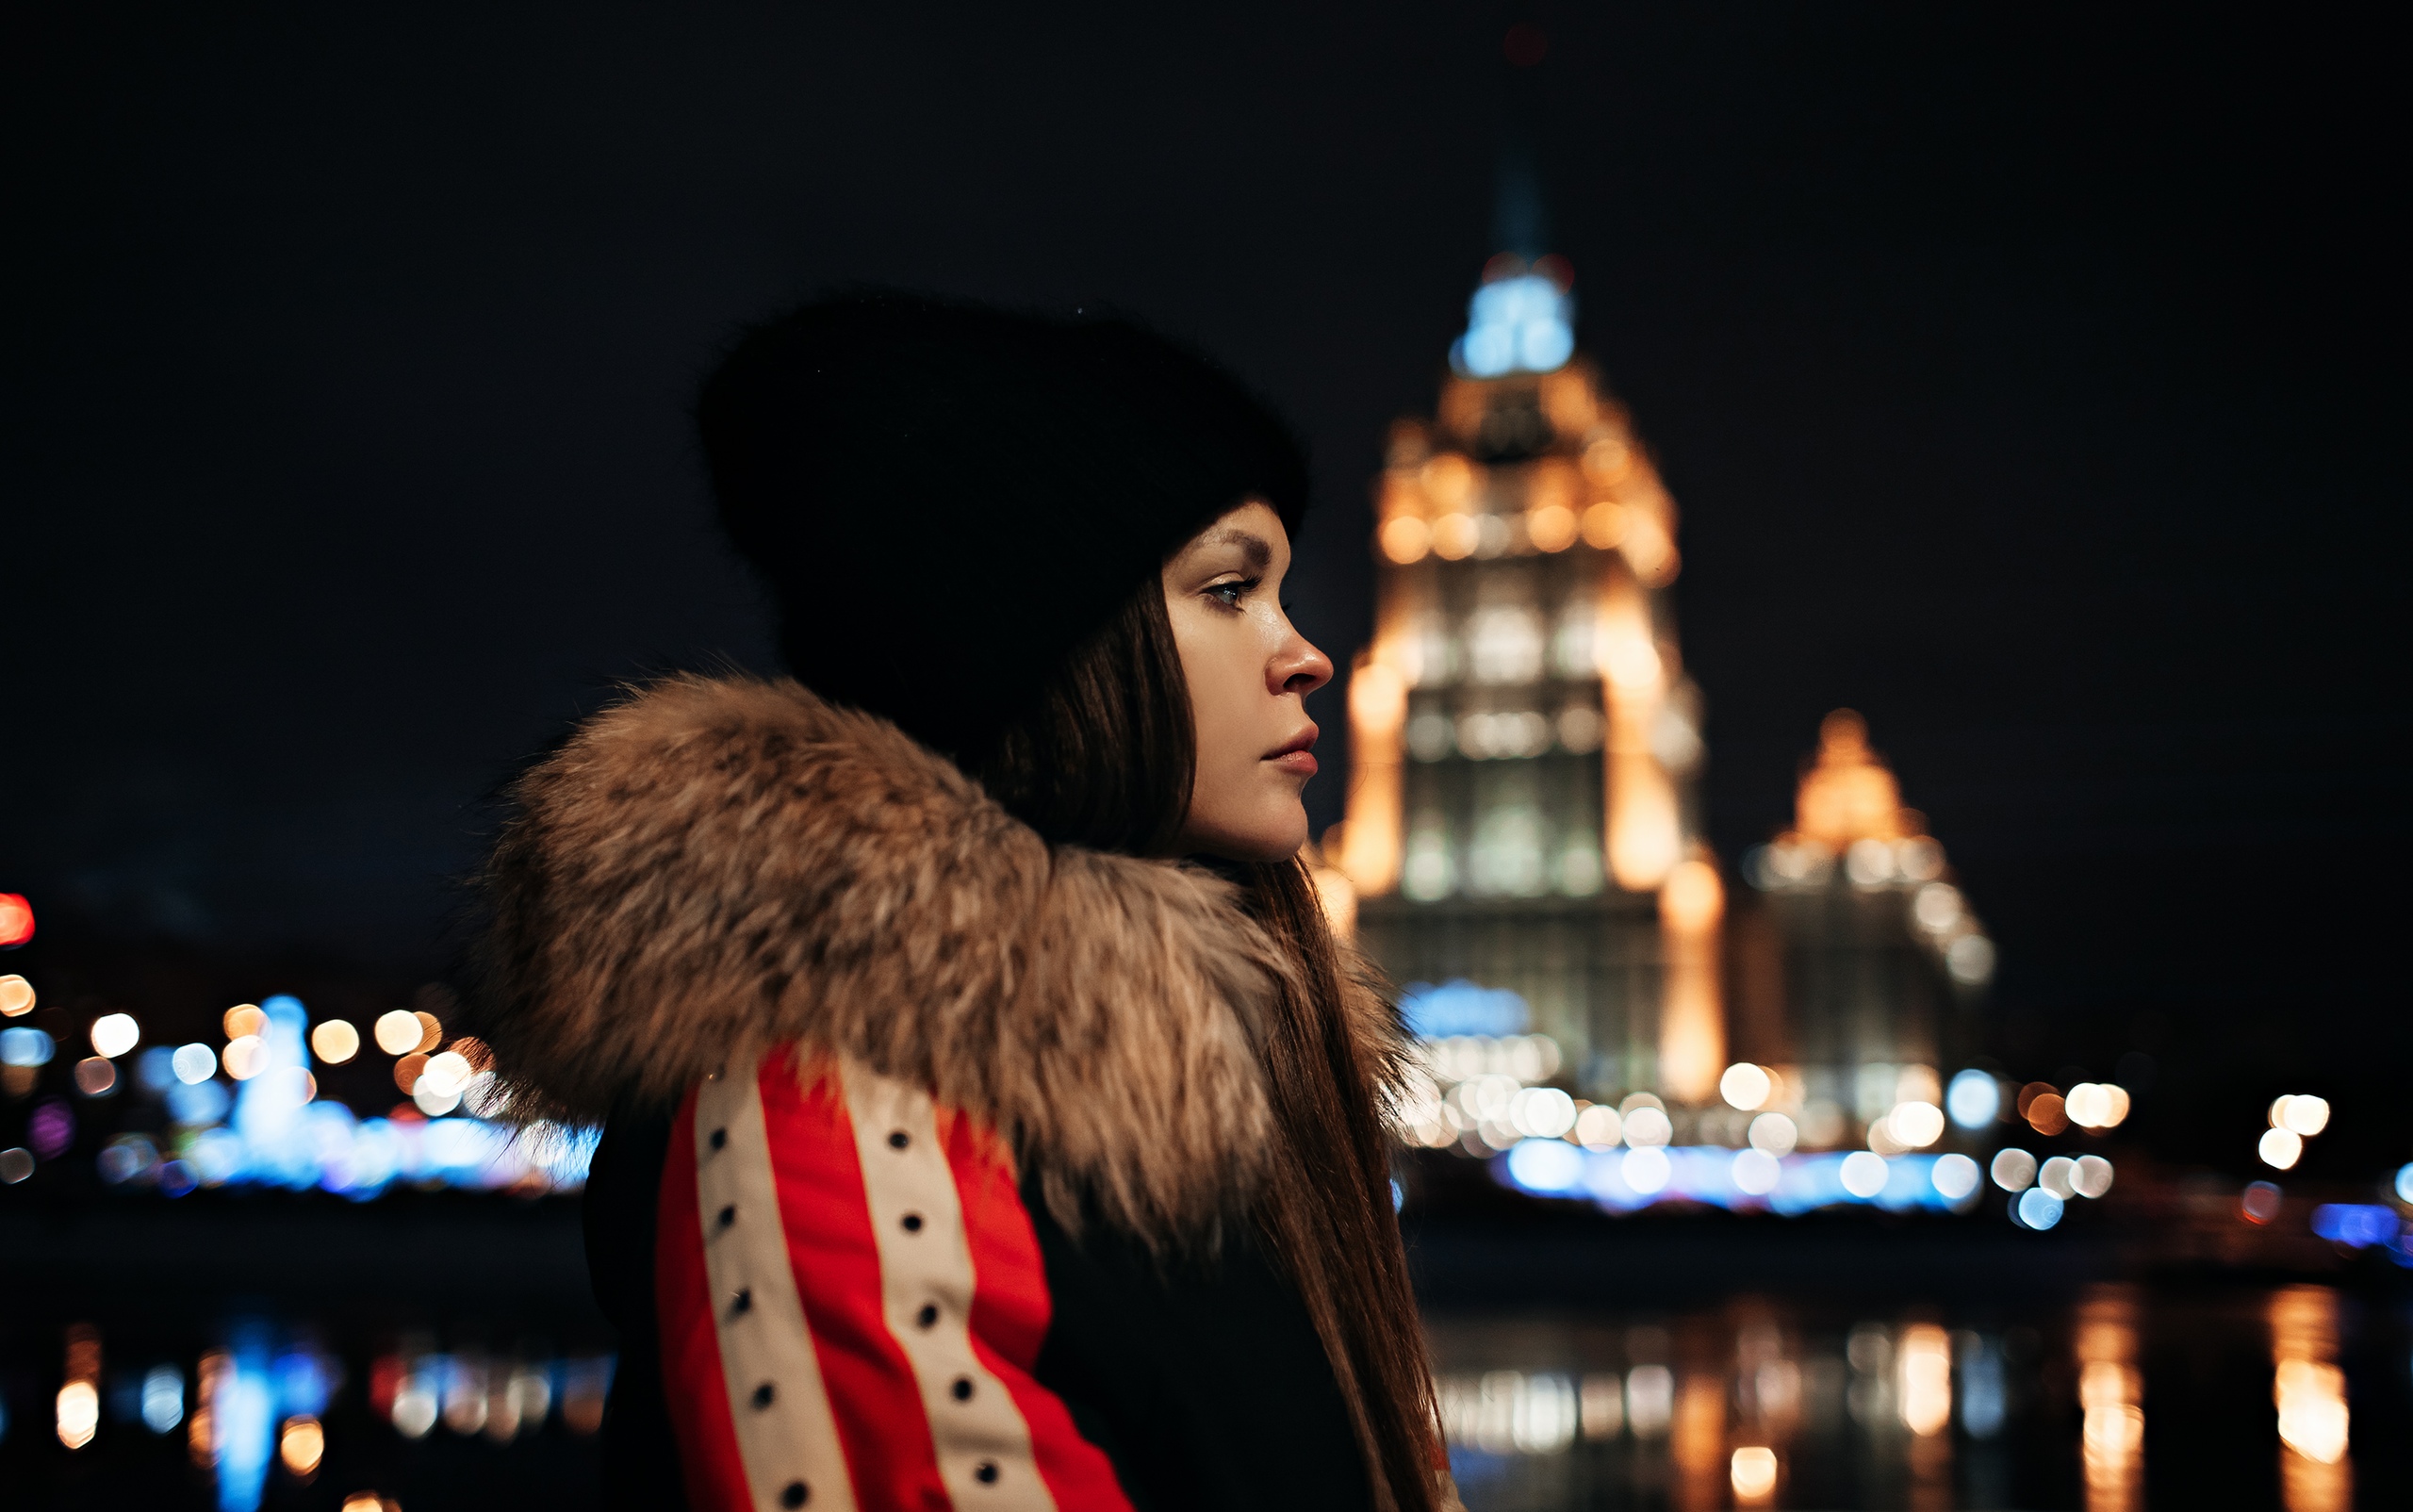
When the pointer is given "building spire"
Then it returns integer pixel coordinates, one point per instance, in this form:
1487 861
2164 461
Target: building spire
1520 217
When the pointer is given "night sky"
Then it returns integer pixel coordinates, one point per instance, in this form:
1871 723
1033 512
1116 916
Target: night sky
2032 381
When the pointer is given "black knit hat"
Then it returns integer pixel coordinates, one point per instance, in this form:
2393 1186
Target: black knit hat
946 499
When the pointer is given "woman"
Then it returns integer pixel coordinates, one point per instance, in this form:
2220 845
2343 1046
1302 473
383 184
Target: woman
991 1120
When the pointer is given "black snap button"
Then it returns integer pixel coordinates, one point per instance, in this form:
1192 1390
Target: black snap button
728 1215
720 1139
962 1388
899 1139
794 1495
985 1472
912 1223
765 1395
928 1317
743 1302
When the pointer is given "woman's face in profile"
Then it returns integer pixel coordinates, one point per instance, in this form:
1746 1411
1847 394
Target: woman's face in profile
1249 674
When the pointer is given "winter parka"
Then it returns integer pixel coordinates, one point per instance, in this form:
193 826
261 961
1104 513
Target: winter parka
930 1146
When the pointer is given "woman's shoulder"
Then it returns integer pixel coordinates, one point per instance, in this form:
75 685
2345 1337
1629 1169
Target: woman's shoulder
717 866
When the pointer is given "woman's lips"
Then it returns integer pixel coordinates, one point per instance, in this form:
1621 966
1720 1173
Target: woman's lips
1297 754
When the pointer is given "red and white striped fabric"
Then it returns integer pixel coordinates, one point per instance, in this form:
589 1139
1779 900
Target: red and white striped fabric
851 1303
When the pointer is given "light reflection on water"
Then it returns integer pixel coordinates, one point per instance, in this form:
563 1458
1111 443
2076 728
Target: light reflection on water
2117 1399
2238 1399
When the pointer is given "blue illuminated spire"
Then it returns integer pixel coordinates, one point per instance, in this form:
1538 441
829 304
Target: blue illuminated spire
1523 316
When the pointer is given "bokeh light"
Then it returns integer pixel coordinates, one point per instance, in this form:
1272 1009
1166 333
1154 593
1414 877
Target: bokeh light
1598 1127
2037 1209
2280 1148
1755 1173
1744 1085
1923 1375
302 1445
79 1413
163 1398
1915 1125
2013 1170
243 1019
2091 1176
335 1042
1551 527
1774 1133
399 1032
2097 1104
194 1064
2047 1114
1974 1100
1646 1169
1546 1165
245 1057
1752 1473
2303 1115
1955 1177
114 1035
16 997
1863 1174
96 1076
2260 1202
22 1047
448 1072
2055 1176
16 920
1648 1125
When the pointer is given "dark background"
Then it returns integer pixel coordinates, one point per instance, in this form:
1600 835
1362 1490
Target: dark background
2032 381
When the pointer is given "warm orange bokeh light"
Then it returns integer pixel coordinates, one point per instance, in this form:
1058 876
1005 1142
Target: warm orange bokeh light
302 1445
1550 528
1455 536
1405 539
1604 525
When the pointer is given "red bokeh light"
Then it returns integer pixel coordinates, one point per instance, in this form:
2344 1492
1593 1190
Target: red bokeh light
16 921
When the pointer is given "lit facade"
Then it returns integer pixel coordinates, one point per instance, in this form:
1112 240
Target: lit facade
1521 812
1859 970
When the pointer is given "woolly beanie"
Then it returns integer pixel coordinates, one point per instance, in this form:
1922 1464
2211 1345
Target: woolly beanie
944 500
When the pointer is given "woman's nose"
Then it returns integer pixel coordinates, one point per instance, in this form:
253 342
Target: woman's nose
1298 667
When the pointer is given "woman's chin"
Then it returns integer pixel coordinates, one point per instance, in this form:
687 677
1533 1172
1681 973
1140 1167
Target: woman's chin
1272 837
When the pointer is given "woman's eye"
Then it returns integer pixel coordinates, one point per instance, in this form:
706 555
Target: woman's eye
1230 594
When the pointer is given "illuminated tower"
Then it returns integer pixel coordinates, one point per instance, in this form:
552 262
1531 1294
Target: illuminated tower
1521 811
1862 985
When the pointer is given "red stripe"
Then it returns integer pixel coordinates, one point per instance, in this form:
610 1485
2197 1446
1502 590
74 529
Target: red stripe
693 1385
1010 1309
869 1382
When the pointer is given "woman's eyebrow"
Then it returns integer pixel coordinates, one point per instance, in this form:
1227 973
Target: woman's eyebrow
1253 549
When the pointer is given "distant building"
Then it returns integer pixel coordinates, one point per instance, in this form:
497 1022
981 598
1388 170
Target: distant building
1858 973
1521 812
1523 846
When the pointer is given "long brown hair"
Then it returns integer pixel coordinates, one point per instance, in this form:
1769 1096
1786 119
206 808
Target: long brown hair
1105 757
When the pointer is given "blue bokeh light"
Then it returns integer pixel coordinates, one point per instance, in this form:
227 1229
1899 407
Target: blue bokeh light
1520 324
1974 1099
1462 1008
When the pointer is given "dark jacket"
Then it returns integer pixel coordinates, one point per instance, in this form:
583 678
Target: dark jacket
930 1147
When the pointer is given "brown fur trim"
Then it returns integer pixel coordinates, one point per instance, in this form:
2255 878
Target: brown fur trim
717 866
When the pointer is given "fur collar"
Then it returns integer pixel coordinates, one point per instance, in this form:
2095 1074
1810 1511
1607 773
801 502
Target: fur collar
720 865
